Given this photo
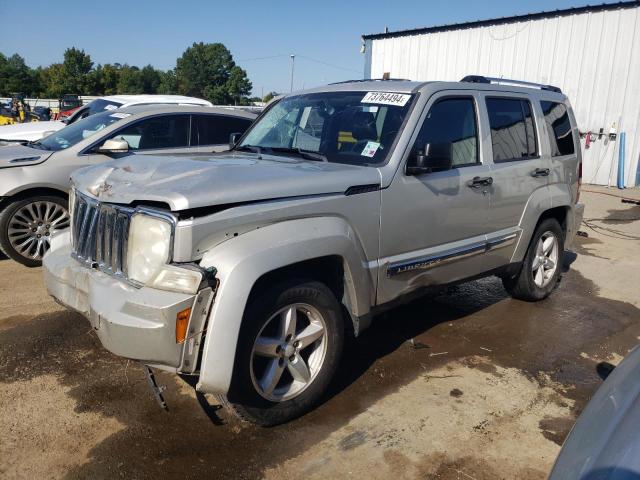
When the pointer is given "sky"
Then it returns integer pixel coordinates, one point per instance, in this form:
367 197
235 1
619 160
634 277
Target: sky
324 35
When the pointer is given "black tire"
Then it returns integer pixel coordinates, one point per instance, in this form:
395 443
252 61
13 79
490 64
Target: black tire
522 286
243 397
7 219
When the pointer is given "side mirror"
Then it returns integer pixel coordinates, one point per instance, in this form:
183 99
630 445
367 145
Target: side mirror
114 145
435 156
233 139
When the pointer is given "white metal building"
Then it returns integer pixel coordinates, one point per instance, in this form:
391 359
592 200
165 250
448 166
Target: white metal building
592 53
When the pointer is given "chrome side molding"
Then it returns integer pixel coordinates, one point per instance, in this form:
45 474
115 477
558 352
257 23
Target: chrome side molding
452 255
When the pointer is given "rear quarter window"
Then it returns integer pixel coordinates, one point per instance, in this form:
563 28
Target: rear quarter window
556 117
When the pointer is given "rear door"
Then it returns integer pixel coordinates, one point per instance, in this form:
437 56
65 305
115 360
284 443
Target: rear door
211 132
518 168
433 225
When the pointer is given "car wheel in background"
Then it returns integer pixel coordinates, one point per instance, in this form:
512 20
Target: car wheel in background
26 227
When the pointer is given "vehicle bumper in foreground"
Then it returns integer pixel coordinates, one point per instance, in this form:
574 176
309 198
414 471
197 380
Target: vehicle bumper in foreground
136 323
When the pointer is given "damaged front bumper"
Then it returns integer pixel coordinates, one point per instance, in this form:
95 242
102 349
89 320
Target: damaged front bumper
135 323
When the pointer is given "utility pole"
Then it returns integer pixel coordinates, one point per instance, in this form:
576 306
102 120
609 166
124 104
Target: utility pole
293 59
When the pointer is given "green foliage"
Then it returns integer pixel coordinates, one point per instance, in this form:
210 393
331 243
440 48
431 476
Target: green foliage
16 76
207 70
203 70
270 96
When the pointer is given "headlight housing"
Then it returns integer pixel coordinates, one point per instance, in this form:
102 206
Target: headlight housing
148 247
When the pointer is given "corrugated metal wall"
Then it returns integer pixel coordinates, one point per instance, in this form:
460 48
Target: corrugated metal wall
594 57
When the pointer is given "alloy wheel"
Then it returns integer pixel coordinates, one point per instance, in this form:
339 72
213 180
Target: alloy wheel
288 352
545 261
31 227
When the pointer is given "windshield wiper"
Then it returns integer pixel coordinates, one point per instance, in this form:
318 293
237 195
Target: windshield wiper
38 145
306 154
250 148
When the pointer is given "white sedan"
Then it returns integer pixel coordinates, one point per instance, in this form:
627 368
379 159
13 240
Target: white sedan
32 131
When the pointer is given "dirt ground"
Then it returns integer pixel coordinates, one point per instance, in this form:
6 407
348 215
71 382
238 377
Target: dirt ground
468 385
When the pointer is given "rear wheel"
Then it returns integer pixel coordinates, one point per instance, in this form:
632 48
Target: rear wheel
26 227
541 267
288 351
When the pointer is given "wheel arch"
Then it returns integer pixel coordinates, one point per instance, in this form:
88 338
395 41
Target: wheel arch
550 202
32 192
321 248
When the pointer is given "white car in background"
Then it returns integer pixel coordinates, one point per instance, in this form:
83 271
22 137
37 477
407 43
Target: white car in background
32 131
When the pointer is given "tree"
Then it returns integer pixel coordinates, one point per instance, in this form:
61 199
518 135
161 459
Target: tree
110 76
77 66
52 80
15 76
130 80
208 70
270 96
149 79
168 82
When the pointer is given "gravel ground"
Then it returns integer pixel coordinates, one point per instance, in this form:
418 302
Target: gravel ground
490 391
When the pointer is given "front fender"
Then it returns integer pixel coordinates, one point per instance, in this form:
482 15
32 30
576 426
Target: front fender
241 261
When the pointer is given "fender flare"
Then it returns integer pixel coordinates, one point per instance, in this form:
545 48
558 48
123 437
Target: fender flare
242 260
540 201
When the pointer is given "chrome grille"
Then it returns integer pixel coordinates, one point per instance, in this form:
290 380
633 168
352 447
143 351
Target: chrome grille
99 234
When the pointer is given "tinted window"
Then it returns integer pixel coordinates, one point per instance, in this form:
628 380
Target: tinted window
451 121
216 129
558 128
168 131
512 129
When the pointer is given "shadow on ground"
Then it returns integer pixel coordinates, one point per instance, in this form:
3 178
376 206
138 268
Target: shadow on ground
472 319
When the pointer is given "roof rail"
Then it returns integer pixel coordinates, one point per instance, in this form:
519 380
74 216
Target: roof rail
507 81
372 80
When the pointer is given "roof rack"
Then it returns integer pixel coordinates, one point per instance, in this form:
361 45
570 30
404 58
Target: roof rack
372 80
507 81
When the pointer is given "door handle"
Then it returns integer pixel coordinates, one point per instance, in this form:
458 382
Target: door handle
477 182
540 172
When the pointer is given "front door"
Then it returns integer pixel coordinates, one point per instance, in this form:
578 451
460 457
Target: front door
433 225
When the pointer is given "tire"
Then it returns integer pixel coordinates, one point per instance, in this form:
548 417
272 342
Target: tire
537 277
45 214
250 395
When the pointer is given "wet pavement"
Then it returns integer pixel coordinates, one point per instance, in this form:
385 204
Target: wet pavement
438 388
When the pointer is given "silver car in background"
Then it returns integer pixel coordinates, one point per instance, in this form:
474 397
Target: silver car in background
34 177
604 443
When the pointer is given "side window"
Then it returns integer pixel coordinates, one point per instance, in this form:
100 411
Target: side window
216 129
558 128
513 134
451 122
168 131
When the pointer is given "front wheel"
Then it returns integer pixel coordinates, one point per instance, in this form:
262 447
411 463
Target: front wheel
288 351
26 227
542 264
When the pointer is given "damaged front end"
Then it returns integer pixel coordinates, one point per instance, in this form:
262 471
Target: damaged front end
115 267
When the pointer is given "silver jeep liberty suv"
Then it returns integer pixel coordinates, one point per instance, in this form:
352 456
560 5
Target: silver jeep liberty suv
246 269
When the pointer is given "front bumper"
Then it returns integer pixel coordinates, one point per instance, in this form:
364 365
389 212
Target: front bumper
136 323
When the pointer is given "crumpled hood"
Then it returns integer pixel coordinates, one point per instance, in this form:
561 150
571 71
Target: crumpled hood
186 182
21 156
29 130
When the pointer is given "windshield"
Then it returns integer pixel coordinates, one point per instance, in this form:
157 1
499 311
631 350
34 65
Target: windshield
91 108
344 127
72 134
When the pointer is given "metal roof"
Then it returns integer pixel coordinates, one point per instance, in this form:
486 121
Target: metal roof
502 20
